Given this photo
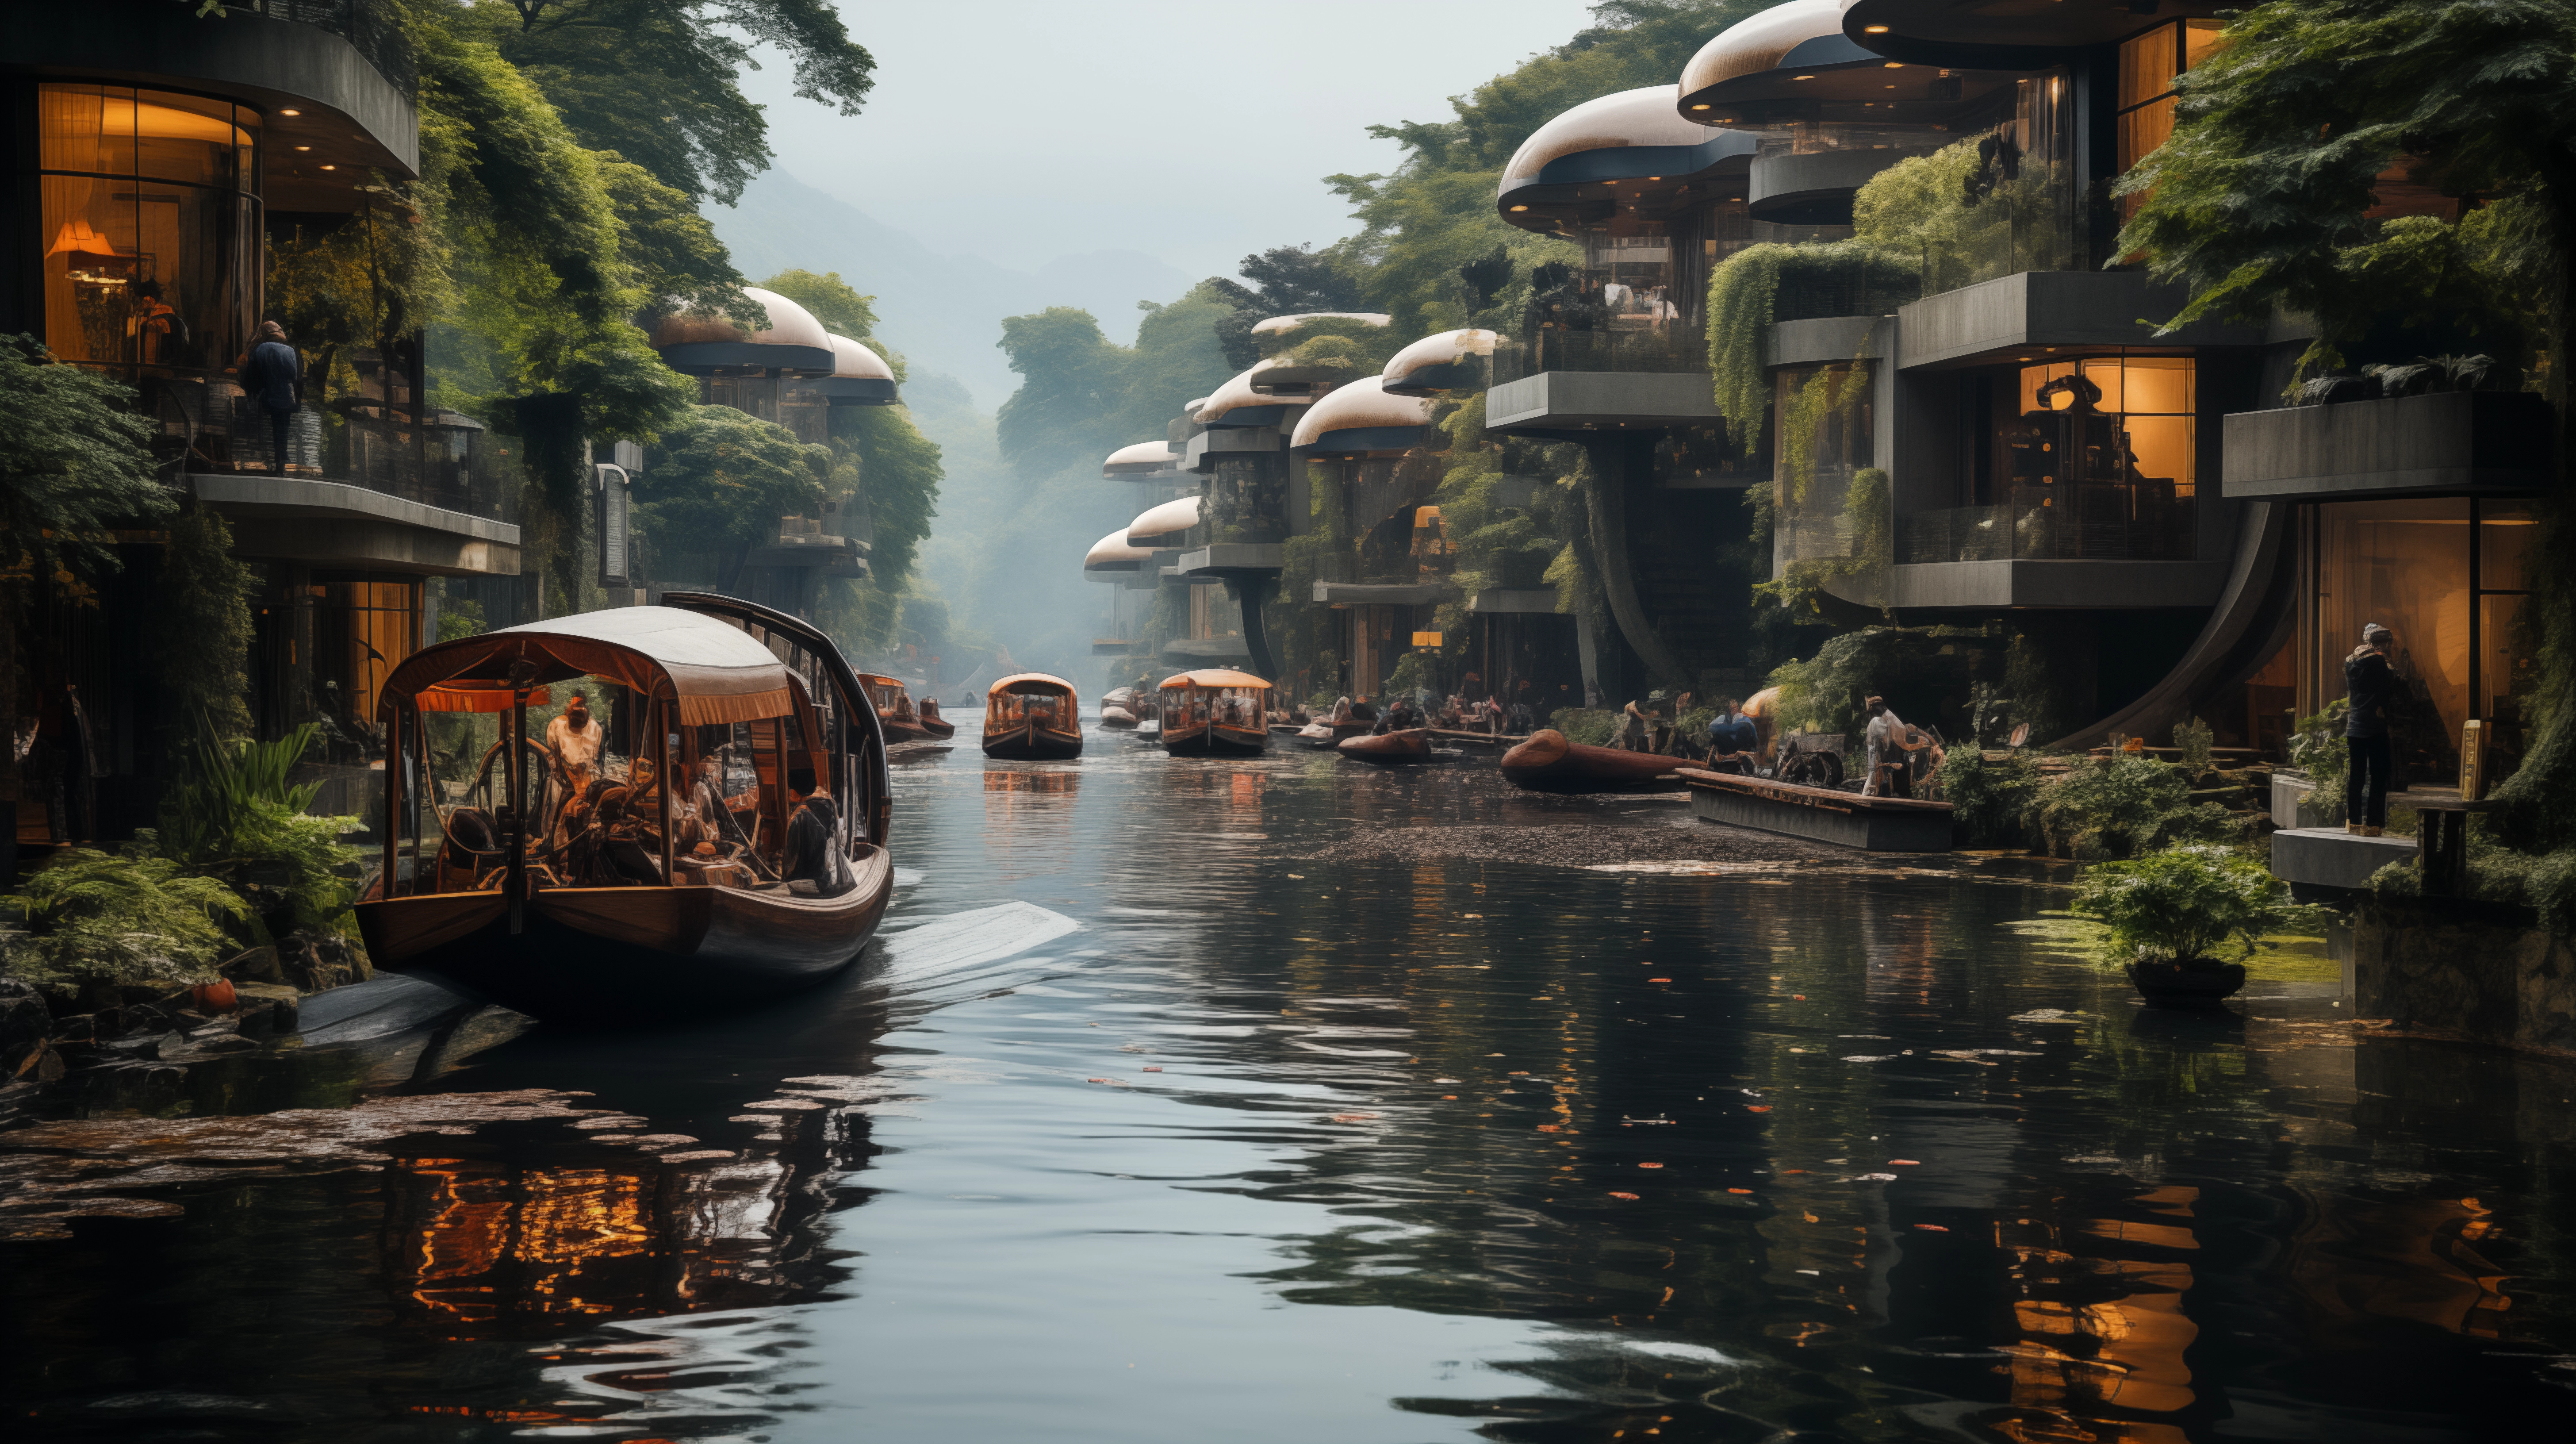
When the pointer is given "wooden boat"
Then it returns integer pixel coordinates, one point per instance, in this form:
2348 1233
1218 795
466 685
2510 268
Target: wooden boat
1322 734
1412 744
939 728
1846 819
896 716
1121 708
1548 762
631 900
1215 713
1032 716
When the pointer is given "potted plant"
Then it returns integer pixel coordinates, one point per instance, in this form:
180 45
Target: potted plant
2172 914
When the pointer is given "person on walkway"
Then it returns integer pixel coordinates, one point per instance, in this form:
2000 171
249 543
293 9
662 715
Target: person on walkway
1889 769
2369 682
273 376
1733 740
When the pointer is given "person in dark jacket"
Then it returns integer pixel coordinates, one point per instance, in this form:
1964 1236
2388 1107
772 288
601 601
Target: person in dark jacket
1732 739
810 848
273 376
2369 683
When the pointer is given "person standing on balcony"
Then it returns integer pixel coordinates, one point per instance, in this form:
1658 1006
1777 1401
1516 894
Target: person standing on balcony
2369 682
273 377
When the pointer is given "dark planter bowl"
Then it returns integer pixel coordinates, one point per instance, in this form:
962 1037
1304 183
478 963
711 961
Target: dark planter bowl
2197 984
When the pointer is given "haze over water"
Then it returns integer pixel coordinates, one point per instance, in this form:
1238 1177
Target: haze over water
1145 1124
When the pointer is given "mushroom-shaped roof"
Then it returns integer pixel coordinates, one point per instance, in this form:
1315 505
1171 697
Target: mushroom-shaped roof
2004 34
1236 403
1214 677
1168 520
1277 325
1361 417
706 343
1112 554
1624 136
1143 458
1437 363
1793 62
860 377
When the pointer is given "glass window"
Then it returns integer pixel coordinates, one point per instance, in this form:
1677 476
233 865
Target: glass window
2148 65
2404 565
85 128
2505 532
186 138
90 268
190 292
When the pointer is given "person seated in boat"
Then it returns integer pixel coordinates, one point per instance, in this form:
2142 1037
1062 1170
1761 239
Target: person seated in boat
623 858
1733 740
812 863
930 710
573 741
902 710
1400 717
1362 710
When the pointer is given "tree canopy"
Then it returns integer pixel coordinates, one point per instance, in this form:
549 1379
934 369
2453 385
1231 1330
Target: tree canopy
718 480
75 460
657 81
834 302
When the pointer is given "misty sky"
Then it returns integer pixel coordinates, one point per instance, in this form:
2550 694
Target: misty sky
1026 130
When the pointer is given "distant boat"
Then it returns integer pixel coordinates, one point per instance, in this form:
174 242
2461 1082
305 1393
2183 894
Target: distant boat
1032 716
1549 762
1411 744
1327 734
902 721
570 898
1215 713
1121 708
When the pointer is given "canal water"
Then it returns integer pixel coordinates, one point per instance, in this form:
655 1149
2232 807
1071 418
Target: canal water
1150 1121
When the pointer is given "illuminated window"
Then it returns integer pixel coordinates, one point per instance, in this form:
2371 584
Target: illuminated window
2148 64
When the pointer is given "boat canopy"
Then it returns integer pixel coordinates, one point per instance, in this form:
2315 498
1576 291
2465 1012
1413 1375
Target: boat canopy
1176 515
1212 677
1031 682
713 670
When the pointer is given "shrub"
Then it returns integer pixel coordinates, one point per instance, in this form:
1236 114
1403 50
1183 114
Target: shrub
1990 801
1594 726
2192 740
2124 806
132 917
238 817
2184 904
2318 747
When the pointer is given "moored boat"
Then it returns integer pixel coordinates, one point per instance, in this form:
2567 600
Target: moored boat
1121 708
896 716
1215 712
939 728
1325 734
1551 762
1034 717
1411 744
593 885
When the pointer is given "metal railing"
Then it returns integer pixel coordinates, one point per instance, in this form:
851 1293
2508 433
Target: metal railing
2100 523
1612 346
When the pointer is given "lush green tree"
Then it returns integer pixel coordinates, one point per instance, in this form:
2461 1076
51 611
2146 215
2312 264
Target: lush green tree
1072 389
75 461
718 480
1178 356
543 289
658 80
671 249
2258 200
201 644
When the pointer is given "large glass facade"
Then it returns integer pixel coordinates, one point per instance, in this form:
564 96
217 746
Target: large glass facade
2149 62
1635 300
2446 575
150 224
2088 459
1825 419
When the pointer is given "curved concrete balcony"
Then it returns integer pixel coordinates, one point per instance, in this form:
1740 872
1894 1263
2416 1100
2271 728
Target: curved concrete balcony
336 524
2448 443
357 111
1999 320
1816 187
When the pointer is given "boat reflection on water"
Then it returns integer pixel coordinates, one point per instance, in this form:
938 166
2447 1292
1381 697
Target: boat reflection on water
501 1244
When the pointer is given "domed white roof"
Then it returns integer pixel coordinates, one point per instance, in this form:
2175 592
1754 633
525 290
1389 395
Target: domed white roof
1361 406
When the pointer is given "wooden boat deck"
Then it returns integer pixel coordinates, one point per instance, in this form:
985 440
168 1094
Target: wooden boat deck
1845 819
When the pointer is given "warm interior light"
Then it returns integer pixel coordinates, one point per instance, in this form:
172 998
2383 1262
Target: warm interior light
1654 177
1520 208
1802 77
1873 30
1699 107
330 167
1896 65
304 147
290 112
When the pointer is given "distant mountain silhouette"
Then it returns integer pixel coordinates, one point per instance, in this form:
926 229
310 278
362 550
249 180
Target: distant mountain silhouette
944 311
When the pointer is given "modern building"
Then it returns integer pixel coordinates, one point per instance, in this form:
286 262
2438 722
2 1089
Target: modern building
793 373
166 162
1611 352
1388 555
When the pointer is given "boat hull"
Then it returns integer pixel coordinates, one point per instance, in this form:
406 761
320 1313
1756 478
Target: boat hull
1118 717
1548 762
1033 744
1205 740
627 952
1413 744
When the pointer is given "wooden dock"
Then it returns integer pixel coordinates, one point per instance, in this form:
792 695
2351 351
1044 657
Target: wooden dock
1845 819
